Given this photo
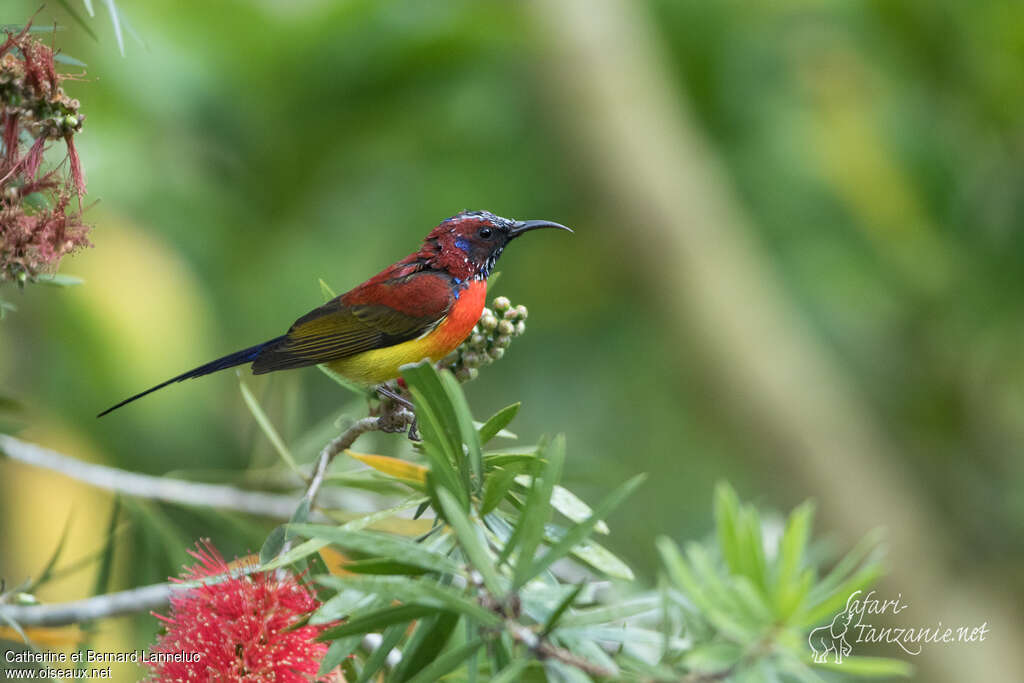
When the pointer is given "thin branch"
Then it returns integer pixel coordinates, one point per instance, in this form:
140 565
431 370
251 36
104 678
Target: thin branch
393 419
276 505
544 649
110 605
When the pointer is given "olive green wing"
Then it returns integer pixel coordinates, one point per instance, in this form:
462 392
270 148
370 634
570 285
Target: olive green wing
336 330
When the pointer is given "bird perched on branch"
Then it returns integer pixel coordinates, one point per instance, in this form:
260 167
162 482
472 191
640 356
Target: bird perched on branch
423 306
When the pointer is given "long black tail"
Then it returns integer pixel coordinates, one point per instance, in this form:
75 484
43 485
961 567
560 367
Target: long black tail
229 361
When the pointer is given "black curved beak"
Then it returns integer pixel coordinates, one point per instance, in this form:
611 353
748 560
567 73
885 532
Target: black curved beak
519 227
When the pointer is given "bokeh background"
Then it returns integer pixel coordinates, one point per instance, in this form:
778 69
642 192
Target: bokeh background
797 266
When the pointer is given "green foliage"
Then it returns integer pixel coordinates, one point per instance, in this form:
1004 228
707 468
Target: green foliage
509 579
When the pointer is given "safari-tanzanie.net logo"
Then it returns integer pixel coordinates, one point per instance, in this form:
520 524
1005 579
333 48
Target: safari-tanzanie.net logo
855 624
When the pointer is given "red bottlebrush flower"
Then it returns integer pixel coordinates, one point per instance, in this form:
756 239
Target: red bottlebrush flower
241 628
37 228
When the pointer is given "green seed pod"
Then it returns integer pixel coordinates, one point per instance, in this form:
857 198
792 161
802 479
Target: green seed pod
506 328
501 304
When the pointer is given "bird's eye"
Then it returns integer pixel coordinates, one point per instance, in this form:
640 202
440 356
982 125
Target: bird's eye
484 232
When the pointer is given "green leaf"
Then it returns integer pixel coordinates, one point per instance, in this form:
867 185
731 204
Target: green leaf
496 487
376 661
566 502
512 672
273 545
339 650
605 614
78 19
497 422
603 560
560 609
380 545
346 383
376 621
828 607
47 570
419 591
536 513
59 280
470 438
870 667
683 577
471 541
425 644
866 547
577 533
448 662
326 291
268 429
101 584
309 547
789 584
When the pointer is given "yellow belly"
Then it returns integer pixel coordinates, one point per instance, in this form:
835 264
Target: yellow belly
380 365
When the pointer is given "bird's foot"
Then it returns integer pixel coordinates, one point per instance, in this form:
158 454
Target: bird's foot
397 413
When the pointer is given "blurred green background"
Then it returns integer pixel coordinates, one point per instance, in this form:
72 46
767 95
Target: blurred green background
870 153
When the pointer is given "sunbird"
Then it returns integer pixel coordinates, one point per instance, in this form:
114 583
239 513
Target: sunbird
423 306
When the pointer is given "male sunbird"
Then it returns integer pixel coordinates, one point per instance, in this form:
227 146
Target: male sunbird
424 306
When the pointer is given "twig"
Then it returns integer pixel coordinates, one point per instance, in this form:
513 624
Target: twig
543 649
276 505
391 420
168 490
99 607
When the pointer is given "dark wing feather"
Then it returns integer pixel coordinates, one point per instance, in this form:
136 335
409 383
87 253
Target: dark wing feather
337 329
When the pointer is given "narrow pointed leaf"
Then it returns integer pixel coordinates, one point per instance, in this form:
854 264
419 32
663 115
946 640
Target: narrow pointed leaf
393 467
498 422
425 644
266 426
471 542
448 662
376 621
560 609
376 661
536 512
495 489
380 545
577 533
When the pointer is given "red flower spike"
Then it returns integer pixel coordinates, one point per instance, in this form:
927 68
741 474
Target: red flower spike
240 628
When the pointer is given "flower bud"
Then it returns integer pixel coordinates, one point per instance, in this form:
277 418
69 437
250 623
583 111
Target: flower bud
477 340
522 312
520 328
26 599
510 314
501 304
502 342
496 353
488 322
465 374
451 359
506 328
471 359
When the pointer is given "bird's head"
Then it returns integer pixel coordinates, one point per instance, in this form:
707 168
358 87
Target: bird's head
468 244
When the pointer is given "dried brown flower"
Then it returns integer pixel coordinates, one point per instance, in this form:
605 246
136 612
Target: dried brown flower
37 225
